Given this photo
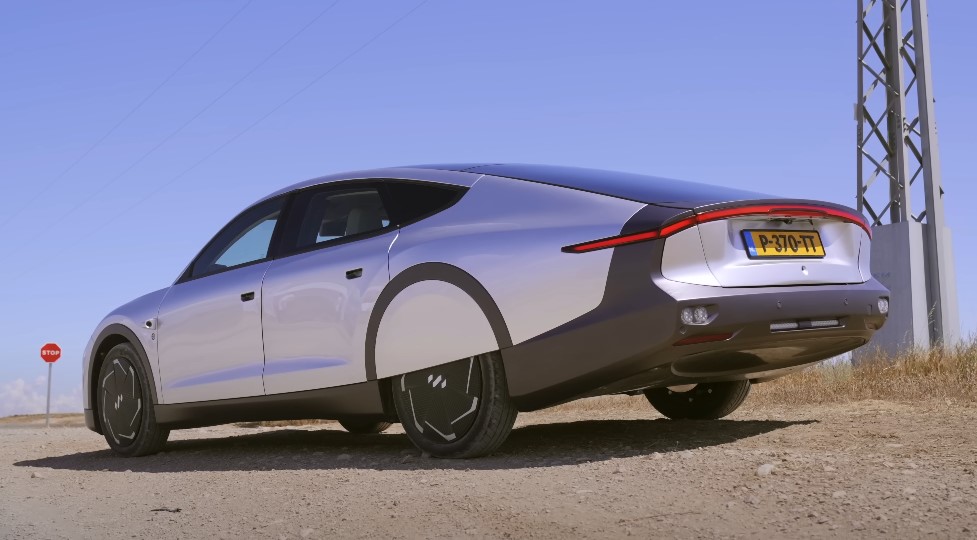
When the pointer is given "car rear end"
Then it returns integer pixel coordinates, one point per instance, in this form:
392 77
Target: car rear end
707 290
765 286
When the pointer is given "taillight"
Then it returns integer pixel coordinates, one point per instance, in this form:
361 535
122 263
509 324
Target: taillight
766 210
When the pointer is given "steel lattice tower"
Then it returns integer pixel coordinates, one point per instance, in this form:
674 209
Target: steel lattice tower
899 182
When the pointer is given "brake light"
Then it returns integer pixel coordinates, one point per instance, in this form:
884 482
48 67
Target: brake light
793 211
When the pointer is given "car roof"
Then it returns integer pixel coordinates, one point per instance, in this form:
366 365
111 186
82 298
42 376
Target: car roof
636 187
444 176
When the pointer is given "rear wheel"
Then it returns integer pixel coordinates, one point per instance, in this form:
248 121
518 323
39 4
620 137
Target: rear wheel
456 410
363 427
125 405
704 401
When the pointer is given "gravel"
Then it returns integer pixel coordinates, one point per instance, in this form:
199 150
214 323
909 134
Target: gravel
867 469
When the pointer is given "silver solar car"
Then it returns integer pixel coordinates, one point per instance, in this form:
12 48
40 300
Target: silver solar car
449 297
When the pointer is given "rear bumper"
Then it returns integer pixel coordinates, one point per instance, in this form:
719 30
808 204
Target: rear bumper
628 343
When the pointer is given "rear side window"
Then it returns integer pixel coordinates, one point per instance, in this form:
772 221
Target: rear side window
411 201
327 215
340 213
334 215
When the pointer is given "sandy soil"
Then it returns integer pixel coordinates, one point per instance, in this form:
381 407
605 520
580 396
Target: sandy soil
37 420
869 469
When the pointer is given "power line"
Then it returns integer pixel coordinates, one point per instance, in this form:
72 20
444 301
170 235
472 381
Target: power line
241 133
92 194
125 117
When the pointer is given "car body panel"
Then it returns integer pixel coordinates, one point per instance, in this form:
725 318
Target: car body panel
131 316
315 319
352 401
865 257
632 350
463 282
684 260
629 341
714 254
430 323
210 344
725 251
508 234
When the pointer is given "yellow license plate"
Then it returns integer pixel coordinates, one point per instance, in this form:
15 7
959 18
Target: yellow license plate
783 244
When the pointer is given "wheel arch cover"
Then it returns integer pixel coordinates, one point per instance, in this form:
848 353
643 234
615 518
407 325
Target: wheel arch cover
436 272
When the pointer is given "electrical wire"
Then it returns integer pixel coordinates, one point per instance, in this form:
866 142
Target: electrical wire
124 118
98 191
241 133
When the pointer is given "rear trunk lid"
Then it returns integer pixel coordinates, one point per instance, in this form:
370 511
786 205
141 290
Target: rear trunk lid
769 243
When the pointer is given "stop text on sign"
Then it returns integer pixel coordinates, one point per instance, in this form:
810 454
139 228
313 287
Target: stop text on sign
50 352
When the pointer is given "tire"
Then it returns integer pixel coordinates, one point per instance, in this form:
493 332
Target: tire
456 410
363 427
125 406
704 401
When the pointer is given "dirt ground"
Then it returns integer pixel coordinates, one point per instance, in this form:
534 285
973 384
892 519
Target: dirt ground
868 469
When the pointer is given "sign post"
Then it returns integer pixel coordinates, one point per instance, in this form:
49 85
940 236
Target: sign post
50 353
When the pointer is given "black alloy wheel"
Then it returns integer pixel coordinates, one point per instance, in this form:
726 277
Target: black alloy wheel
363 427
124 407
703 401
461 409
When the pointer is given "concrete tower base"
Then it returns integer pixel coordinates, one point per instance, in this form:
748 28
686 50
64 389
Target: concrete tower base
898 262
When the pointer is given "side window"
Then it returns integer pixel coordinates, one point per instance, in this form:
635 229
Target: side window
412 200
244 240
324 215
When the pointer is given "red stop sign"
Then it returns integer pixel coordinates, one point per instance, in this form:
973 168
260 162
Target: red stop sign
50 352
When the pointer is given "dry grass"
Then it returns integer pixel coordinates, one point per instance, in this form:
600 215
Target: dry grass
57 420
941 374
948 374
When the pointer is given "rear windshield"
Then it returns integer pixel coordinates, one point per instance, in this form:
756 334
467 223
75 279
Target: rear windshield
636 187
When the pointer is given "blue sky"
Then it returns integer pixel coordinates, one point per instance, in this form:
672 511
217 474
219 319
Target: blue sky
756 95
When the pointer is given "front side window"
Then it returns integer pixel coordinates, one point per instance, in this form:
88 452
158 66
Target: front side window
244 240
331 214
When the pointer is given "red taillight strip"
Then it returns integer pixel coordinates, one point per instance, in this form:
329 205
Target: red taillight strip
790 210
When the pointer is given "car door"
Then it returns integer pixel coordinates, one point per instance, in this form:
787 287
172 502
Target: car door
317 298
209 323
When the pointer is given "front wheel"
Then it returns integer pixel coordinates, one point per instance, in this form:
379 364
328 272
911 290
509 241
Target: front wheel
125 405
703 401
456 410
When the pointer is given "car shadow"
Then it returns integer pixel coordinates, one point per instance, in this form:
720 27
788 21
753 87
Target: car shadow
530 446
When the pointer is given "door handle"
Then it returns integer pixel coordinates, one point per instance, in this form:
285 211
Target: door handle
353 274
247 297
